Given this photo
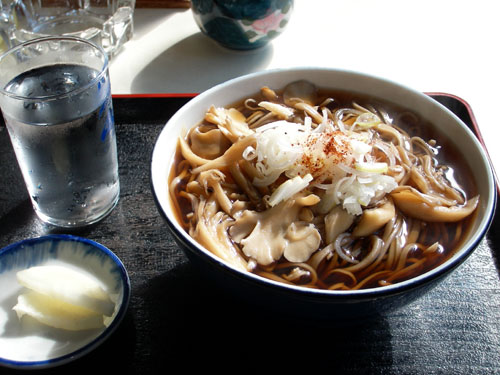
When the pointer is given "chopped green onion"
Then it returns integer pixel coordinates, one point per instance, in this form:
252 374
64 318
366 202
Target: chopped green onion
371 167
367 120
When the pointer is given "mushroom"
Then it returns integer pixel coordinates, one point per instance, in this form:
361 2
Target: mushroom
230 121
337 221
302 240
269 94
414 204
244 183
209 144
301 90
211 179
266 236
278 110
232 155
373 219
211 232
310 111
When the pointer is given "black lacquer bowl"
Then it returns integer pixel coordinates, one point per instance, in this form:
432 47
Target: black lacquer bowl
302 301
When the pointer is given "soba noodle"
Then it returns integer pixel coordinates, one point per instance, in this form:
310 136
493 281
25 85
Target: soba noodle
304 188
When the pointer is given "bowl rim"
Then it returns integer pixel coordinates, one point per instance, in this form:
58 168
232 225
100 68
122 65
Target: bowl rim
105 334
454 261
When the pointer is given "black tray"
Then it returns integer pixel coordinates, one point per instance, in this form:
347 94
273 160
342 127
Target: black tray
178 320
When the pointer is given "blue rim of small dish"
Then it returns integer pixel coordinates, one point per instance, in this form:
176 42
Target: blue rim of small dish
66 358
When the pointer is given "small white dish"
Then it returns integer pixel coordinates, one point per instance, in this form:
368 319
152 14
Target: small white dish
28 344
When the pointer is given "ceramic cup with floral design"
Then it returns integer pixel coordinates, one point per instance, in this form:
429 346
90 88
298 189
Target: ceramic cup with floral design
242 24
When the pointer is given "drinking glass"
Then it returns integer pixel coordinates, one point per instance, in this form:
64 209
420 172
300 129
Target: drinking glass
55 97
108 23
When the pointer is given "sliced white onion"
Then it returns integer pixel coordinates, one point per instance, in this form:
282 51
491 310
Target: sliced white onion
275 124
289 188
249 153
267 180
359 147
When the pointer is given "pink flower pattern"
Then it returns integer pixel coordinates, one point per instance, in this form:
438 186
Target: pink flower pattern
271 22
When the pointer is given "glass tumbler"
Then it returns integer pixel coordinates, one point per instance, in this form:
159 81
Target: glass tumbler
108 23
55 97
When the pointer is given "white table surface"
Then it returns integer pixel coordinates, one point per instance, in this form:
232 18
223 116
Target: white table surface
447 46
